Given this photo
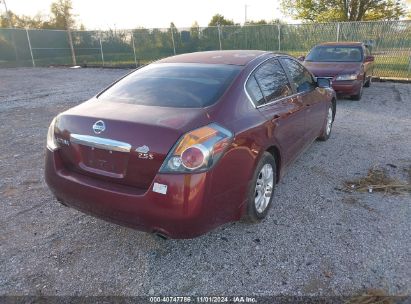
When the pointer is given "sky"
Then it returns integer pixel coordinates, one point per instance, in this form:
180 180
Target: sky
127 14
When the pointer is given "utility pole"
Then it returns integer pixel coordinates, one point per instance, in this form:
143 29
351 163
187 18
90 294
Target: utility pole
245 14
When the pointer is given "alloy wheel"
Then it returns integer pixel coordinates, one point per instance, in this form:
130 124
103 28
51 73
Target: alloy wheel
329 120
264 188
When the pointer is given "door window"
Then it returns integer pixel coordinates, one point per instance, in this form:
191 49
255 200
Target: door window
272 81
302 79
254 91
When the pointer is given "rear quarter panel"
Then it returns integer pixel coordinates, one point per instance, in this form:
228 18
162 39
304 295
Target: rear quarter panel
232 175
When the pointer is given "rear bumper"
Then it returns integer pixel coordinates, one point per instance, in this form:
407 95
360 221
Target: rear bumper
180 213
347 87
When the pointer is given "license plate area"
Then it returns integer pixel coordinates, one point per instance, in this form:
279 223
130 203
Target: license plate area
104 162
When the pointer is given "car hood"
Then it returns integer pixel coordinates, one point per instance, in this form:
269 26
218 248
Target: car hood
331 69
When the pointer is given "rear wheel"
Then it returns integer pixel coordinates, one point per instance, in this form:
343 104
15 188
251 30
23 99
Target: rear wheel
328 125
261 191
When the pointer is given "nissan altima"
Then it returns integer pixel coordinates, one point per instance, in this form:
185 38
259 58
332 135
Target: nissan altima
189 142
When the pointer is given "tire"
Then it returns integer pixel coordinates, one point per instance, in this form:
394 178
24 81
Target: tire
325 135
258 202
358 95
367 84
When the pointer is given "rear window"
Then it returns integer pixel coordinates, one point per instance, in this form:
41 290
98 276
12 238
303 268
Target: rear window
173 85
335 53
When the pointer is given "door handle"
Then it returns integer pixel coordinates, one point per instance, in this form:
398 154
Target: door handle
274 120
275 117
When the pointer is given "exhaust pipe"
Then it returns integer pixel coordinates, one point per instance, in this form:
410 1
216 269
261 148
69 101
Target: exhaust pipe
161 235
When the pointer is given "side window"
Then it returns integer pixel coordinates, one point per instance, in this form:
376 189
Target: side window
300 76
254 91
273 81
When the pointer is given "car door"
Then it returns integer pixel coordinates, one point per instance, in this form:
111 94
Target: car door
272 93
309 95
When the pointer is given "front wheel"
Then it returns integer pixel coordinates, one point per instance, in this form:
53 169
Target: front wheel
367 84
358 95
328 125
261 190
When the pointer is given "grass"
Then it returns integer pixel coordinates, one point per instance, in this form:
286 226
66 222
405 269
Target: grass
378 180
372 296
392 66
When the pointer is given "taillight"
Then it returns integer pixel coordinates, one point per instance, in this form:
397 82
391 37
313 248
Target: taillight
52 143
198 150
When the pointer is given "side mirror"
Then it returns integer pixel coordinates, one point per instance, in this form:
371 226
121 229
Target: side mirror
369 59
301 58
323 82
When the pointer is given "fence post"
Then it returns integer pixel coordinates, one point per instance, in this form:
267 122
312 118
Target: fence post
73 54
31 51
279 36
101 49
219 34
338 32
172 38
134 48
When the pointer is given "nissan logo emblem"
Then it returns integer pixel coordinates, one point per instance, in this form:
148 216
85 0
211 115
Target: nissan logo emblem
99 127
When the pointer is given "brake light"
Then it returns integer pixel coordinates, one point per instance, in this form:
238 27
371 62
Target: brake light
52 143
198 150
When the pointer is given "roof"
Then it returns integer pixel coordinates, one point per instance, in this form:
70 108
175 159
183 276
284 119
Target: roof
349 43
234 57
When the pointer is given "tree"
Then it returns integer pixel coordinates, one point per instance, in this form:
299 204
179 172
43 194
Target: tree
343 10
195 31
21 21
61 18
61 15
259 22
218 19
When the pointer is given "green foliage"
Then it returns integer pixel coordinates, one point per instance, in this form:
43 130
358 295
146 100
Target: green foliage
61 17
218 19
259 22
343 10
21 21
264 22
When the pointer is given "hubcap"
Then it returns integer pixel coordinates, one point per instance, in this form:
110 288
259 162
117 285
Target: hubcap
329 120
264 188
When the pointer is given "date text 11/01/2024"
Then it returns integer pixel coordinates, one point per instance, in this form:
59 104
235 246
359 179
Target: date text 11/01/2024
203 299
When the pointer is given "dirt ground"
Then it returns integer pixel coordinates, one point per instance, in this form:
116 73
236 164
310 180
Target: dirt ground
319 238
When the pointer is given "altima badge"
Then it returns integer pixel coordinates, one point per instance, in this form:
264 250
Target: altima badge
99 126
143 152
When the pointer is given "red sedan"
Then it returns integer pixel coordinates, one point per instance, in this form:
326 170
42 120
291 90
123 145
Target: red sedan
349 65
189 142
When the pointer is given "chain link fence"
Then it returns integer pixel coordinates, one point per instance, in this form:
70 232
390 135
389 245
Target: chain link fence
390 41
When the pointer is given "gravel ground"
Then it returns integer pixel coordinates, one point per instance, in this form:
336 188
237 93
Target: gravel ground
317 239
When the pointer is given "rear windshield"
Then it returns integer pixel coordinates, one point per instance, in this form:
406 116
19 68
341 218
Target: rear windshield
173 85
335 53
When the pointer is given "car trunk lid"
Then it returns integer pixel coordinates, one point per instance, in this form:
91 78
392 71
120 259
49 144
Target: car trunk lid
122 143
